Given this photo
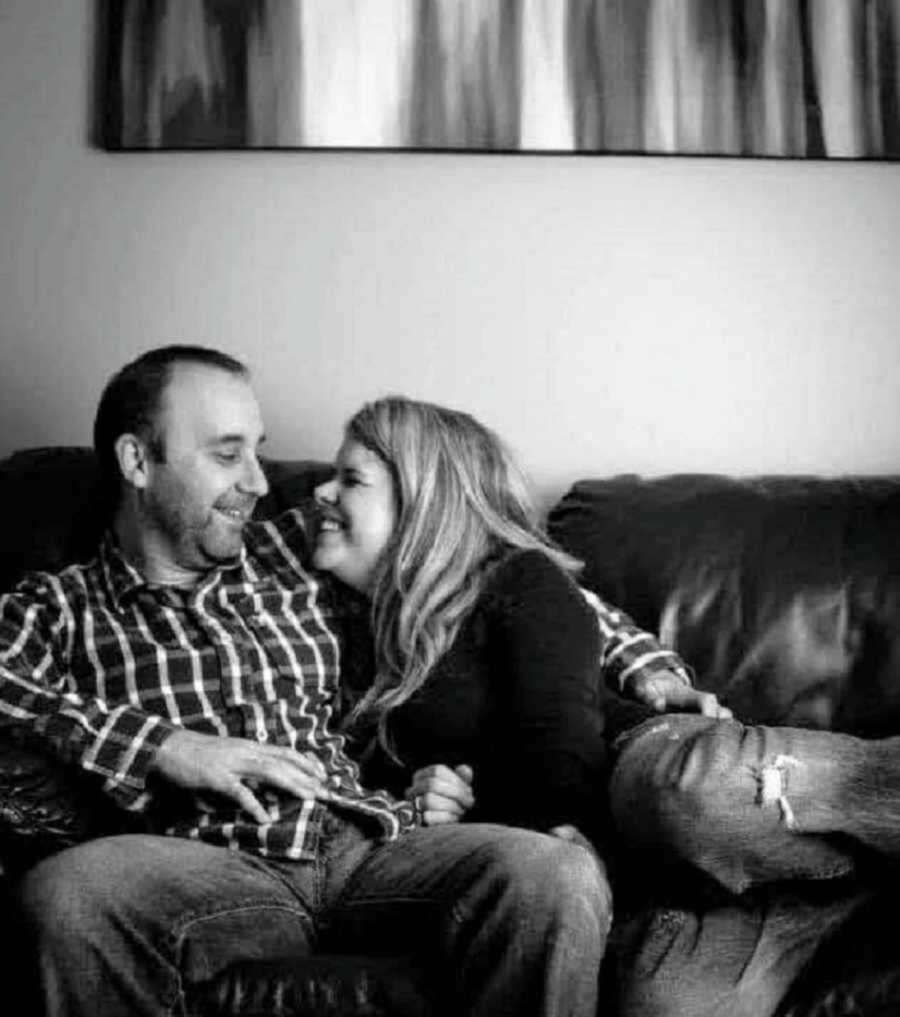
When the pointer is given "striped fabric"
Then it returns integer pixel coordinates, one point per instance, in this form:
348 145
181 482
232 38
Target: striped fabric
629 653
101 668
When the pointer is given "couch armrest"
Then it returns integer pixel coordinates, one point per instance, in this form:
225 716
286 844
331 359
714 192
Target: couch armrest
46 807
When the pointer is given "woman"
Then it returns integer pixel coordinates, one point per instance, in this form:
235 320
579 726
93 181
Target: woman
488 656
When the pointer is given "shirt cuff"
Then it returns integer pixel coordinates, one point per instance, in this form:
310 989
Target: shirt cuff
127 756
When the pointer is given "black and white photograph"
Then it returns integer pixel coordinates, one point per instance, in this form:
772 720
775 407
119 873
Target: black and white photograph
449 508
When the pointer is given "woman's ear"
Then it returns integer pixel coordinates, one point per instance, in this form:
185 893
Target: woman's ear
132 457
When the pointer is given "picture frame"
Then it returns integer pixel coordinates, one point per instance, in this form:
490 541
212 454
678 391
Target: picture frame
757 78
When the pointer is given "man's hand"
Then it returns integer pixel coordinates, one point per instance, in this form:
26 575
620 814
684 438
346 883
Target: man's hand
667 693
202 762
441 795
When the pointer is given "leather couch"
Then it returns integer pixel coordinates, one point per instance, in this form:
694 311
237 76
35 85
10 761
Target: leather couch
782 592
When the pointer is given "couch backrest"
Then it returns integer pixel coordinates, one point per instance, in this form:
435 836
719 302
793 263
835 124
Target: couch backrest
50 510
783 593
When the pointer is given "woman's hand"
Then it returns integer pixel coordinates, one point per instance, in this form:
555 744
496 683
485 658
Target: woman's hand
667 692
441 795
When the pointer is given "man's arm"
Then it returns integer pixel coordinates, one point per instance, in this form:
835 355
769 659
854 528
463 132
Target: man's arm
123 745
39 693
634 663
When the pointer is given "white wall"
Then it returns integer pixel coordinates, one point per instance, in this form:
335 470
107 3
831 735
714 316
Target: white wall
605 314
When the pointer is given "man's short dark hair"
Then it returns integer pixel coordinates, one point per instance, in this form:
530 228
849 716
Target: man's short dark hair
130 404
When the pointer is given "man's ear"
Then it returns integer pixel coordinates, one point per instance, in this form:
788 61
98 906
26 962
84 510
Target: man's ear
133 459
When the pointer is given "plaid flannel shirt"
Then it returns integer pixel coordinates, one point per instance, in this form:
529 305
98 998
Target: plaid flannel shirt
629 653
100 668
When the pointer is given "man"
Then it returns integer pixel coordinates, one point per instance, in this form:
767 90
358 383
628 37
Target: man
191 671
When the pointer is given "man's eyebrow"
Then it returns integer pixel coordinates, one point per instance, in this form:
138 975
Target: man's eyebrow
233 439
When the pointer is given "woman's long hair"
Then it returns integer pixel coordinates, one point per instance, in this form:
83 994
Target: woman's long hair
461 502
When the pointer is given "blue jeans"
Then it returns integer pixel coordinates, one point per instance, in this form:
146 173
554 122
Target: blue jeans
127 924
780 819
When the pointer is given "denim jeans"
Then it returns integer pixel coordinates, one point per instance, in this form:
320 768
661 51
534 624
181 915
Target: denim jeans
127 924
779 823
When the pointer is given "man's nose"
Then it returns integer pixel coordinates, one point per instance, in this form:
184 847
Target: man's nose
326 494
254 480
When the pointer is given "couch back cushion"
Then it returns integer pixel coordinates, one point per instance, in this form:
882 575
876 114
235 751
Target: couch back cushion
783 593
50 509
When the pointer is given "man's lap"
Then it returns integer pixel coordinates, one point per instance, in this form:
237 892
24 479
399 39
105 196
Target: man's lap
202 898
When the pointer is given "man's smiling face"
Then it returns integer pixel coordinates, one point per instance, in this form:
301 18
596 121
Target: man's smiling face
202 490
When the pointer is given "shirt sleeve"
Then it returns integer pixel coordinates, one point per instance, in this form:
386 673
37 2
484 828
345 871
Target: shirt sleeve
546 764
38 692
628 652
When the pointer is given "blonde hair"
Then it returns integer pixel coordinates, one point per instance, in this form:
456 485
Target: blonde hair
461 502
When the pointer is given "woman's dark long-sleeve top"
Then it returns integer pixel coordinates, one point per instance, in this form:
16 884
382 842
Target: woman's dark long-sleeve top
516 697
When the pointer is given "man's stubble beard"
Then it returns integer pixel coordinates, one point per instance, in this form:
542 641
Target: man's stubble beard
189 538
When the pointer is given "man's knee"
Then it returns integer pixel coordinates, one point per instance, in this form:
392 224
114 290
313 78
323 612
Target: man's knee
556 880
681 787
679 764
715 795
67 890
88 884
166 903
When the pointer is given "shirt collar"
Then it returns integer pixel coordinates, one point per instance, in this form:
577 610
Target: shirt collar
123 579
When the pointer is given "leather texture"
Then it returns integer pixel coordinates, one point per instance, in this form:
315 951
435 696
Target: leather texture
327 986
783 593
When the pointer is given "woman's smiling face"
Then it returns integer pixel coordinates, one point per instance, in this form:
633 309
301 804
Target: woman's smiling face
357 516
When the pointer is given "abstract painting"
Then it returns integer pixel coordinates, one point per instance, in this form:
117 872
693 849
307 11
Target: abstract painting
777 78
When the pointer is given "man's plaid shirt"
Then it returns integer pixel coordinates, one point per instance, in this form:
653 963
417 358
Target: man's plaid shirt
629 654
101 668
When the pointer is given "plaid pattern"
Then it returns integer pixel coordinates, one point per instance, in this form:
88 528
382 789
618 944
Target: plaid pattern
629 653
102 668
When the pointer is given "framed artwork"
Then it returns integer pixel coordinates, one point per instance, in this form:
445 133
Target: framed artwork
776 78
